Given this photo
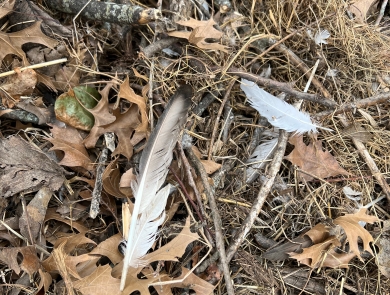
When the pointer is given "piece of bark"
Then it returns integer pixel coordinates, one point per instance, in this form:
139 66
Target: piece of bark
106 11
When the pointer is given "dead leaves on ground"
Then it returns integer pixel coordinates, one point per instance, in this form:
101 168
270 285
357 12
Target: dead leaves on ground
312 159
202 32
324 247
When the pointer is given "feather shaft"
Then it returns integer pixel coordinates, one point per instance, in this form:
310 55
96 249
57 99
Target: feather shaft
150 200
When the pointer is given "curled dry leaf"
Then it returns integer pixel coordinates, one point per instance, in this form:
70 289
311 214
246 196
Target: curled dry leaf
111 179
31 221
312 159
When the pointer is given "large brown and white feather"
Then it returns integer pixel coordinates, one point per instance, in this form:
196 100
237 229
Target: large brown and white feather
150 200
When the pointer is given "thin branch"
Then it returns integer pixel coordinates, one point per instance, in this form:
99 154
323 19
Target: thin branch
219 237
351 106
261 197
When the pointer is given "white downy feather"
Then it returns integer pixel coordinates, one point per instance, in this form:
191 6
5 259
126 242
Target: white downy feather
150 201
278 113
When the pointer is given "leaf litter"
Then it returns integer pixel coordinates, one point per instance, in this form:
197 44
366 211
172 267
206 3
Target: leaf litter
49 170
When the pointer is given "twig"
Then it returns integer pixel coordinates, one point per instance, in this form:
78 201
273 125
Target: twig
36 66
283 87
97 190
369 161
369 101
216 121
261 197
216 218
381 12
229 117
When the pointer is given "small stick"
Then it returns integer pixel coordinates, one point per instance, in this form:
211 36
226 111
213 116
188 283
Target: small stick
36 66
261 197
361 148
97 190
216 122
351 106
216 218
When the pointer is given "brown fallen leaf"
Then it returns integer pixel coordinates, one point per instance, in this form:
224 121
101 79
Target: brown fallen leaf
25 168
30 223
52 214
100 282
202 31
45 281
312 159
61 259
16 85
69 140
123 126
109 248
313 256
126 92
360 8
12 43
353 230
29 264
111 179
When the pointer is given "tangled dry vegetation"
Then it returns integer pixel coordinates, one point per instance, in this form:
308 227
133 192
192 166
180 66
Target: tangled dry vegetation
288 220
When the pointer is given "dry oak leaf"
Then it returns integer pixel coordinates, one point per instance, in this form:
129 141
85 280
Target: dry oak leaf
69 140
312 159
100 282
313 256
353 230
123 126
12 43
202 30
126 92
109 248
360 8
29 264
169 252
